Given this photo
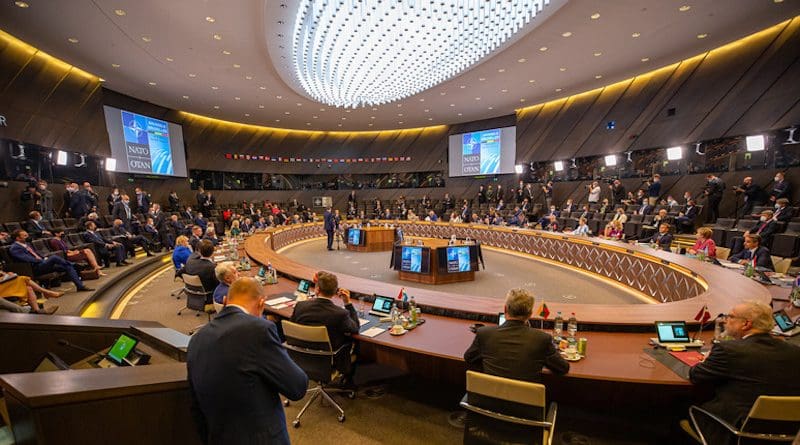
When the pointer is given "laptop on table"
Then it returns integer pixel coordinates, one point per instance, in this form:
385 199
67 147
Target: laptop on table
382 306
301 293
674 334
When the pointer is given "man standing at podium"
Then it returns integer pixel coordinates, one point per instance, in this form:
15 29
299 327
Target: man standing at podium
330 226
237 368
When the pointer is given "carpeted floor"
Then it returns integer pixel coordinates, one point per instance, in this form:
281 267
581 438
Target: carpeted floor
503 271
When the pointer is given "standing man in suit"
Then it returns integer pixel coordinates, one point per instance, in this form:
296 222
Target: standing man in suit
78 202
753 249
237 370
713 192
617 192
547 192
340 322
103 246
753 195
22 252
330 226
740 370
203 266
122 211
514 350
142 201
654 190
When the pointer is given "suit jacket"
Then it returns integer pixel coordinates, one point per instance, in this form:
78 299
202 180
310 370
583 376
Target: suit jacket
96 239
328 219
340 321
236 370
741 370
79 204
21 254
763 258
663 241
515 351
201 222
768 228
690 213
119 212
780 190
782 214
34 228
141 203
204 269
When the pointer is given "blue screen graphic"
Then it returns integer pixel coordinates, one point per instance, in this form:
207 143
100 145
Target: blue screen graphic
458 259
354 237
147 144
411 259
480 152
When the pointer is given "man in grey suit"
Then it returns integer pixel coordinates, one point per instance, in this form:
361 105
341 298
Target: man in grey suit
514 350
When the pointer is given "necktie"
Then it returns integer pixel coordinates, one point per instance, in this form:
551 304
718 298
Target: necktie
33 252
128 212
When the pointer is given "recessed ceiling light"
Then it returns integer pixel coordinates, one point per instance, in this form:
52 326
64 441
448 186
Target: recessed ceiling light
192 75
277 120
566 34
400 123
185 96
399 105
211 19
216 107
338 125
300 105
522 60
776 1
72 40
226 52
702 36
430 118
151 83
491 108
262 87
315 117
237 98
120 12
684 8
217 36
147 39
422 99
504 90
281 97
558 90
599 76
460 114
462 86
372 117
399 114
481 79
636 34
21 4
214 87
247 115
322 109
100 79
261 107
236 65
375 109
562 69
308 123
501 70
597 54
442 93
248 77
531 80
286 113
543 49
452 105
595 16
344 118
522 100
645 59
115 65
477 98
370 124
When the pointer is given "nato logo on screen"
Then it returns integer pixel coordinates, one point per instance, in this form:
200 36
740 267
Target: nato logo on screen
147 144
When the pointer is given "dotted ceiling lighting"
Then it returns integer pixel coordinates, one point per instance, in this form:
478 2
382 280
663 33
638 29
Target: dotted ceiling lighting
355 53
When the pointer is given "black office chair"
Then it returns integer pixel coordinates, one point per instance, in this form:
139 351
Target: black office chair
771 419
310 348
197 298
502 410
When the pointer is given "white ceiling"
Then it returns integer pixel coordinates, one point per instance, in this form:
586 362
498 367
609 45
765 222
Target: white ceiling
168 54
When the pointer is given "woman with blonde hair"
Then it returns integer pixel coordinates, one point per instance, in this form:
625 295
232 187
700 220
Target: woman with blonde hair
182 252
704 243
235 230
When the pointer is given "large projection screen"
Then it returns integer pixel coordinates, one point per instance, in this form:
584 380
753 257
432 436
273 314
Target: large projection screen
485 152
145 145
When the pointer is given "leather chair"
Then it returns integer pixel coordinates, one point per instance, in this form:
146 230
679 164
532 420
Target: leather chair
502 410
310 348
772 419
198 298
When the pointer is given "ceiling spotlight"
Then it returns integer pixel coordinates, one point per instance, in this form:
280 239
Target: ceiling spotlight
452 105
755 143
236 65
522 60
217 37
170 59
226 52
504 90
247 115
211 19
262 87
501 70
543 49
147 39
261 107
702 36
185 96
636 34
422 99
599 76
341 50
115 65
72 40
248 77
645 59
237 98
21 4
531 80
597 54
522 100
430 118
281 97
192 75
400 105
684 8
595 16
120 12
481 79
462 86
151 83
558 166
216 107
566 34
562 69
477 98
214 87
286 113
491 108
558 90
442 93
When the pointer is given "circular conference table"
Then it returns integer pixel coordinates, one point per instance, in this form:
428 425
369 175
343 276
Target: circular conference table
676 286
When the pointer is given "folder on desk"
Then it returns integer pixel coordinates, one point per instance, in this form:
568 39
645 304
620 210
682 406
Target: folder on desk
688 358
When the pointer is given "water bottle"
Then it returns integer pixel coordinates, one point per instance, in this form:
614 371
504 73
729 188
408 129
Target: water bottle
749 270
719 328
558 325
412 311
572 325
395 314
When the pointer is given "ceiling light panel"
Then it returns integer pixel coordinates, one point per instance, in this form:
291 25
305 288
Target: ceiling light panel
349 53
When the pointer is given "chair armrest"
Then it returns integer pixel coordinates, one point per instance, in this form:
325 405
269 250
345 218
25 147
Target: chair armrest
311 351
552 411
506 418
733 430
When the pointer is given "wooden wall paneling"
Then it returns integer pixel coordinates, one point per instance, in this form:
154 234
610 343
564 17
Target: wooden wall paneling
15 58
593 119
780 48
526 123
553 146
779 105
545 120
643 125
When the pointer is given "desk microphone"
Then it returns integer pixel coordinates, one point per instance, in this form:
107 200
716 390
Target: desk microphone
63 342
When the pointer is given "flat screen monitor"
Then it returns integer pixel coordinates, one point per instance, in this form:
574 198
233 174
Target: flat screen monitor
354 237
122 349
485 152
672 331
411 259
303 286
144 145
458 259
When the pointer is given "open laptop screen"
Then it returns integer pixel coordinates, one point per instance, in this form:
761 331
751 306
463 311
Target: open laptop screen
672 331
303 286
382 304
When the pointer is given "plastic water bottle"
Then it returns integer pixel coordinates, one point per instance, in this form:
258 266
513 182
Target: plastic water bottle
558 325
572 325
719 329
412 310
395 314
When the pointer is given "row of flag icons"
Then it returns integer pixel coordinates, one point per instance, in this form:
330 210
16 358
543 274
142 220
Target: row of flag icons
268 158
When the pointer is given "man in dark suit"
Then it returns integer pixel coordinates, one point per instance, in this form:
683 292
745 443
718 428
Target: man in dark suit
740 370
340 322
195 238
753 195
203 266
142 201
765 227
713 191
685 220
79 202
514 350
753 249
35 227
662 238
188 214
200 221
129 240
20 251
237 370
122 211
103 246
782 211
780 188
330 226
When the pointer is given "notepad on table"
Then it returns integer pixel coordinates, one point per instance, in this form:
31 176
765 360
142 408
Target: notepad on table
372 332
277 301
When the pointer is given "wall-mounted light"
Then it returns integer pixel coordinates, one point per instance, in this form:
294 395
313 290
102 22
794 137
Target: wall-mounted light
61 158
558 166
755 143
674 153
111 165
611 160
519 168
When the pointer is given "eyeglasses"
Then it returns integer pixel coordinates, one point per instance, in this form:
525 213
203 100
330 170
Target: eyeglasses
734 316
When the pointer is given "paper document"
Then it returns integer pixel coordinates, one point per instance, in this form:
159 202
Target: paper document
372 332
279 300
362 322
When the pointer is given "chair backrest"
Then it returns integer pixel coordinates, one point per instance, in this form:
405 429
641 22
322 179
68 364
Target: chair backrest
498 399
779 415
196 294
310 347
